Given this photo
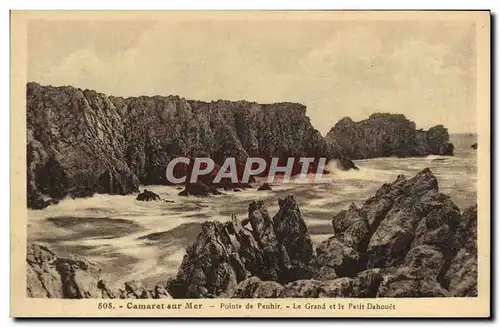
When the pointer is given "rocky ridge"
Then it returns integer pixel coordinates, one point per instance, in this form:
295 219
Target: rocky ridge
80 142
408 240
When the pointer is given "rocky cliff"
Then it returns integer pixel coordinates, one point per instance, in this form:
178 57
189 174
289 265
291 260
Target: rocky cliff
408 240
386 135
81 142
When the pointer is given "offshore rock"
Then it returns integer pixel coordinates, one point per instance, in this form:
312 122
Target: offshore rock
265 187
345 163
198 189
147 196
386 135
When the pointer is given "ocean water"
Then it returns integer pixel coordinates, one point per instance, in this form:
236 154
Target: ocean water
146 241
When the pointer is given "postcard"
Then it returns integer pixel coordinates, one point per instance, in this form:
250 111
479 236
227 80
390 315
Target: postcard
250 164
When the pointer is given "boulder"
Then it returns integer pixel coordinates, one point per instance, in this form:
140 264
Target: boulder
147 196
393 237
199 189
341 258
352 228
265 187
160 292
367 283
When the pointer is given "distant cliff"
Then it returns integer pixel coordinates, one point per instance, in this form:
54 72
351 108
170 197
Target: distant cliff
386 135
81 142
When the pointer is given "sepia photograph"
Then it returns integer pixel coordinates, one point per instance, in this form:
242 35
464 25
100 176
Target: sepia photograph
270 163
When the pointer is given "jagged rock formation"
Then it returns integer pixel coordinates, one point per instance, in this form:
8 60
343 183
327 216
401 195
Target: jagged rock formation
408 240
147 196
51 276
81 142
274 249
386 135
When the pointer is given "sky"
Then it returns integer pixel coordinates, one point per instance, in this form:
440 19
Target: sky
425 70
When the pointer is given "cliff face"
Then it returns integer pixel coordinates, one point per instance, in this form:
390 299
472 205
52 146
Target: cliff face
75 145
83 142
386 135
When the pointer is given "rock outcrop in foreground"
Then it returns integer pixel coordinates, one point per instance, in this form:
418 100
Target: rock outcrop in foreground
50 276
386 135
81 142
408 240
